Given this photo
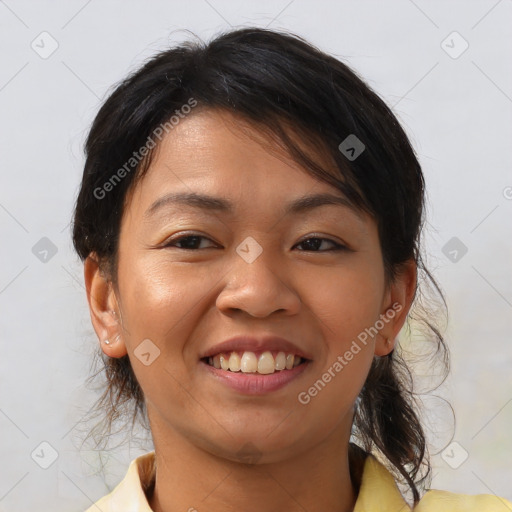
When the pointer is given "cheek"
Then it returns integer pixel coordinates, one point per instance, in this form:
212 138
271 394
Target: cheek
160 298
346 300
346 304
344 312
161 303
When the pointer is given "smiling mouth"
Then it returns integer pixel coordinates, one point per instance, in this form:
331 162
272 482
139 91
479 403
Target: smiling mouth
263 363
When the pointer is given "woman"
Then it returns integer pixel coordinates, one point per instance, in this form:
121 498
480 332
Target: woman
249 220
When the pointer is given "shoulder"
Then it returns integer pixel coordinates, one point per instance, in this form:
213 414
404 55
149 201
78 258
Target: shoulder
443 501
379 491
131 493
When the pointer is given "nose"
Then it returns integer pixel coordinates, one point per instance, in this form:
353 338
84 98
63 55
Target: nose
258 288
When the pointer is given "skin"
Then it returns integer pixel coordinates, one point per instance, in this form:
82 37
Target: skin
185 301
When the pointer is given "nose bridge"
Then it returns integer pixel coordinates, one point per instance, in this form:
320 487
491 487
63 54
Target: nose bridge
255 282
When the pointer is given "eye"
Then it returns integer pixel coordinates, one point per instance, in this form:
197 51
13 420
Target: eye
313 243
188 241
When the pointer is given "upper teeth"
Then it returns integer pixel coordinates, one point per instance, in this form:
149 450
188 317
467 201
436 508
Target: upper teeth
250 363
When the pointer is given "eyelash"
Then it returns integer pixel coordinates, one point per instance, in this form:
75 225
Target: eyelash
173 242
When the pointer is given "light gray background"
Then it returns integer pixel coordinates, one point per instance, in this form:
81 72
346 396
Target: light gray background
456 111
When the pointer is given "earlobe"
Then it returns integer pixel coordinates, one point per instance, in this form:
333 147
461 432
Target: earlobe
396 306
102 304
384 346
114 347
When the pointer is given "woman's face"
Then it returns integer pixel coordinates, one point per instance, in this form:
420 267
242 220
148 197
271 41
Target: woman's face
251 270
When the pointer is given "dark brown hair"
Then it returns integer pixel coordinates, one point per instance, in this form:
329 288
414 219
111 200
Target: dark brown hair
282 84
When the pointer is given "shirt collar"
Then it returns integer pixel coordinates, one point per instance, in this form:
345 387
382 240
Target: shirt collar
378 491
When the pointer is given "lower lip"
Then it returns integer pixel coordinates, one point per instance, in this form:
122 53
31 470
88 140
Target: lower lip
255 383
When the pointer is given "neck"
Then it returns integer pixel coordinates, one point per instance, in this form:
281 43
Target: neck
190 478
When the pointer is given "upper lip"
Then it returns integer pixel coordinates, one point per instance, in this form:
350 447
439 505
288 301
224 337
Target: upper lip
255 344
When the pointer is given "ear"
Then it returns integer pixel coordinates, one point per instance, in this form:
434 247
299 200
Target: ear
395 306
103 308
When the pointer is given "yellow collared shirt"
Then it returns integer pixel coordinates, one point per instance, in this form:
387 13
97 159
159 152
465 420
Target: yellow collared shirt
378 493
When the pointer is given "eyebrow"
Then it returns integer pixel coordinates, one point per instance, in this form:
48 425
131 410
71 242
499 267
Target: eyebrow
210 203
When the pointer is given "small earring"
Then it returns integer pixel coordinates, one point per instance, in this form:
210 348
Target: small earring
107 342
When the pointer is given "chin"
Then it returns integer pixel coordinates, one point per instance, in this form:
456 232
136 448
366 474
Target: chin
257 449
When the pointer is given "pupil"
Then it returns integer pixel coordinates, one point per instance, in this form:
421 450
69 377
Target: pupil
312 243
190 242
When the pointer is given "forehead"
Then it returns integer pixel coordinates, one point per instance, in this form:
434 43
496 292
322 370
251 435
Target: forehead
216 153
